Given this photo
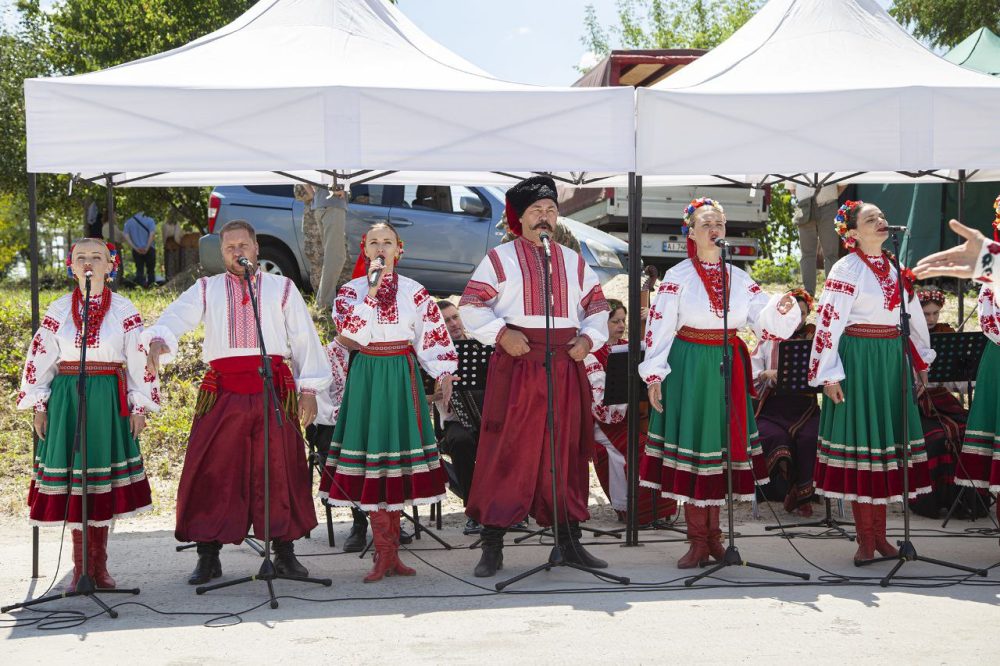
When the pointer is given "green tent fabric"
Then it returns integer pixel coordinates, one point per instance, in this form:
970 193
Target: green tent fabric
925 209
979 51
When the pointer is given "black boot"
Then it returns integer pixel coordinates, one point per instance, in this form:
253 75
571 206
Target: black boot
405 537
573 550
209 565
358 538
284 559
492 545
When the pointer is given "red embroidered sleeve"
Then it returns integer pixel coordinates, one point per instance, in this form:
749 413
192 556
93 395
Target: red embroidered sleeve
132 323
497 265
595 302
839 286
478 294
50 324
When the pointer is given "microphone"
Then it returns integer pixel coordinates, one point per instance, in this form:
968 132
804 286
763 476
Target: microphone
375 269
88 274
894 229
545 243
721 242
245 263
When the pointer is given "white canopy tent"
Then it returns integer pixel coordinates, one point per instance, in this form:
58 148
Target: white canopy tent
818 85
308 85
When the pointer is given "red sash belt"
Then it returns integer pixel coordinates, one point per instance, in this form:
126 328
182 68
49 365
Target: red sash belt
401 348
99 368
742 383
241 374
879 332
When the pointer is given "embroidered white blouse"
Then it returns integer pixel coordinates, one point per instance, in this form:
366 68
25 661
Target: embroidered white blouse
682 300
222 303
507 289
328 400
989 309
118 340
412 315
597 375
854 295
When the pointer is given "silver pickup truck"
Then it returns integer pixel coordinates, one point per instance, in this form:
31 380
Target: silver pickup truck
448 230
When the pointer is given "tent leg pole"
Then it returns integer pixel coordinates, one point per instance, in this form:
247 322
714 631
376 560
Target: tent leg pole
110 194
962 178
35 321
634 353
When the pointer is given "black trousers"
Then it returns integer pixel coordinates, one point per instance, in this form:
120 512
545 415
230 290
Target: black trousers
460 444
145 263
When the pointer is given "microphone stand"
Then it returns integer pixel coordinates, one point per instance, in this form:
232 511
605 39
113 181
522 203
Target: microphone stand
85 587
556 558
907 552
733 557
267 572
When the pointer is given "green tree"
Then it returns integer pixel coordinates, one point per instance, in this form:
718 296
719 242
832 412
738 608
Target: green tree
946 22
667 24
79 36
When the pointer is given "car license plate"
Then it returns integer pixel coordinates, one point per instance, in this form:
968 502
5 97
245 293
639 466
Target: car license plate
671 246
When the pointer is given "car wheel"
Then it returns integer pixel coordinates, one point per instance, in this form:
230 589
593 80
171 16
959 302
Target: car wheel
277 261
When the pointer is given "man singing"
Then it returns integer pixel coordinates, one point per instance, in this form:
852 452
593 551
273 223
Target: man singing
504 304
221 491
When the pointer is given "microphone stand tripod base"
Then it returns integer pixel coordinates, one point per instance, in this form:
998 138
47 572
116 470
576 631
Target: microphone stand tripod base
734 559
908 553
268 574
556 559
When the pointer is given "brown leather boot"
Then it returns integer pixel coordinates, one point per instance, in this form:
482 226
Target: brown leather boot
882 547
77 560
696 518
398 568
715 547
385 546
98 551
863 526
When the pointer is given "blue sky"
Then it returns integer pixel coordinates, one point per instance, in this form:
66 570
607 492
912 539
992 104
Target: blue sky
531 41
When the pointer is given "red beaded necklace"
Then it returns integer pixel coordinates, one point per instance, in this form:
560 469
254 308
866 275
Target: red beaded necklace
883 274
97 307
713 285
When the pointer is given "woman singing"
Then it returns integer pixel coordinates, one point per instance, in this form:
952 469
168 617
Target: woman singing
684 456
857 360
119 394
384 455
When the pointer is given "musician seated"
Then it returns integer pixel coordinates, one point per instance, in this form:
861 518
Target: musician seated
459 439
611 431
943 418
788 423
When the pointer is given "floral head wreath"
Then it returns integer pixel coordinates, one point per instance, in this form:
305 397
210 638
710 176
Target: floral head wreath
935 296
801 294
840 223
689 213
996 219
116 260
361 265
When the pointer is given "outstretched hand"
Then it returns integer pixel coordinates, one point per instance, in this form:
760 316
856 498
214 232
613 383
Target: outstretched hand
959 261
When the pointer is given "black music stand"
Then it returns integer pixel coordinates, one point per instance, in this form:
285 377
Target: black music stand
793 377
958 356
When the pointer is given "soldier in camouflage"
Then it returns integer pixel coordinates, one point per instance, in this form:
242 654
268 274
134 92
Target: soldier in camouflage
311 233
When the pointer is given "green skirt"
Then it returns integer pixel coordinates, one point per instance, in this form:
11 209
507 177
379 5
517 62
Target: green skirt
116 480
860 449
980 457
383 454
683 458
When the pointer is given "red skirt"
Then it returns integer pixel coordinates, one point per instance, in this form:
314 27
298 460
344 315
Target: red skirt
513 471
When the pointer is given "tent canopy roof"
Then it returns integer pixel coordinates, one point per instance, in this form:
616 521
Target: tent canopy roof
979 51
319 84
828 85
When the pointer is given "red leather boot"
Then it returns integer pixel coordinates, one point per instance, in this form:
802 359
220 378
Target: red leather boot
398 568
863 526
883 547
77 560
715 547
98 547
384 537
696 518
